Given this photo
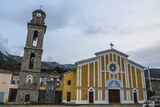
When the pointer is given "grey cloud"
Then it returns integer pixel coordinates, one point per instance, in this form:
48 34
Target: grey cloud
17 50
3 44
59 16
147 56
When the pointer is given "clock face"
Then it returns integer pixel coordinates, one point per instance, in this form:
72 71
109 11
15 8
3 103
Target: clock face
39 14
113 67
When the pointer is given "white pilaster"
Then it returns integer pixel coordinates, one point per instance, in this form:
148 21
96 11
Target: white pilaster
88 74
94 74
78 72
80 76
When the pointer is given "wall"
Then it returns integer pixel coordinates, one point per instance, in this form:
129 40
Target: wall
5 79
70 75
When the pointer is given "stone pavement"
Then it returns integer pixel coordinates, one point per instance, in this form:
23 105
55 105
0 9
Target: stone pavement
111 105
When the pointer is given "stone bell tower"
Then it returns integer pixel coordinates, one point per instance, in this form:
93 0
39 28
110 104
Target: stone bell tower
28 88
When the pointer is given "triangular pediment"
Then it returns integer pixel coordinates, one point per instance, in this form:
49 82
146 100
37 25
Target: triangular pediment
111 50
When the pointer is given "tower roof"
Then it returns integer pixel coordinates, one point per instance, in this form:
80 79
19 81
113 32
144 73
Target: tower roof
39 11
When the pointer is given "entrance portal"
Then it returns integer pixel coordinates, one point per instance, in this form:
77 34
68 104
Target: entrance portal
27 98
135 97
114 96
91 97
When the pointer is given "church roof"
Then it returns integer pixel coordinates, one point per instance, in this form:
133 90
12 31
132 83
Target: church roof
39 11
86 60
111 50
134 63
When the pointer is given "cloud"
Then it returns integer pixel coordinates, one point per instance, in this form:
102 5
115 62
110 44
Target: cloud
3 44
148 56
78 29
61 14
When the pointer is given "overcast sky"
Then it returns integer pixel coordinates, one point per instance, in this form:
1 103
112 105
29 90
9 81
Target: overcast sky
76 29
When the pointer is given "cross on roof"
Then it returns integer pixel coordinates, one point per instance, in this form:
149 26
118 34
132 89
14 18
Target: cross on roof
40 6
111 45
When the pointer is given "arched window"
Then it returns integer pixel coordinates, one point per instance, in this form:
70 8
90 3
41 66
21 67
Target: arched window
35 38
31 62
29 79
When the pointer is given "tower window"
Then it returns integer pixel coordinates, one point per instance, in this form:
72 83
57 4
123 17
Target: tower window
35 38
31 62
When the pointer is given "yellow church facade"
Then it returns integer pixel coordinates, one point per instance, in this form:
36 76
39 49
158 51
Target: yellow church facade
109 77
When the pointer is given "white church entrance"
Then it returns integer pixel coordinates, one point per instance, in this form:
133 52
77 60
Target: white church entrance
113 90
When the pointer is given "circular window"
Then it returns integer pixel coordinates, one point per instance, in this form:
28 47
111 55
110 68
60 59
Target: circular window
112 67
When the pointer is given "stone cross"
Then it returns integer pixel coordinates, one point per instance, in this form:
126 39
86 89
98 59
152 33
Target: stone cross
40 6
111 45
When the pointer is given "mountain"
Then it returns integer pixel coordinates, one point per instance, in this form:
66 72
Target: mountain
13 62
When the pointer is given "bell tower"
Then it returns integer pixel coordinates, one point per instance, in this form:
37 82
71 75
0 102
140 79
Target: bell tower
28 88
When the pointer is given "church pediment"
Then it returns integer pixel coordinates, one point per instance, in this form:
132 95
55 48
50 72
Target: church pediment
111 50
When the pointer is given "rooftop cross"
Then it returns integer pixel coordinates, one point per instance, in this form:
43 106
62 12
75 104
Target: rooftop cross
111 45
40 6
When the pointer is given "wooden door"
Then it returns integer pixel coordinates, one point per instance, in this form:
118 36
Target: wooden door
68 96
27 98
135 97
91 97
114 96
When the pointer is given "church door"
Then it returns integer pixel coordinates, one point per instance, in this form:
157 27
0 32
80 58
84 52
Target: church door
135 97
27 98
114 96
91 97
68 96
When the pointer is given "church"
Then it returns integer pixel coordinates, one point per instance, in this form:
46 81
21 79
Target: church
109 77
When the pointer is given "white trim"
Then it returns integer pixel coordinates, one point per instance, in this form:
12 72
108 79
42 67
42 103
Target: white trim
81 102
125 74
109 75
105 63
143 79
88 74
105 68
98 96
135 90
80 96
129 95
77 94
107 96
121 69
80 76
145 95
69 102
98 70
91 89
100 73
120 63
94 78
126 77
